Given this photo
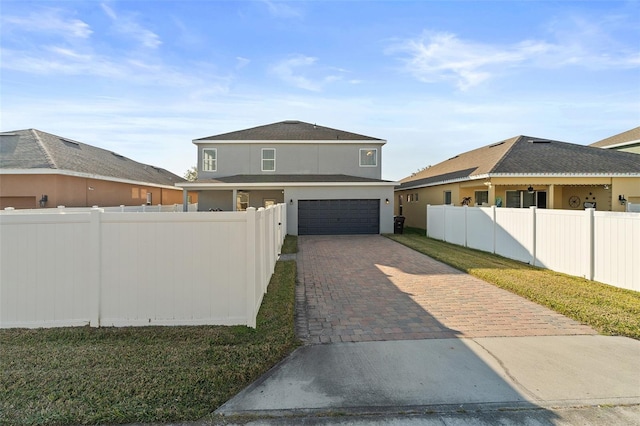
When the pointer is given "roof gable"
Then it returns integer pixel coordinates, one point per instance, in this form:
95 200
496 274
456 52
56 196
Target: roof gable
33 149
535 156
625 138
476 162
289 130
527 155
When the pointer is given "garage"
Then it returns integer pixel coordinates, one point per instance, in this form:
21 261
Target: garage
338 217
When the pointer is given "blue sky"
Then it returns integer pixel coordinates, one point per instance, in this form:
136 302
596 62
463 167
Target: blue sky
433 78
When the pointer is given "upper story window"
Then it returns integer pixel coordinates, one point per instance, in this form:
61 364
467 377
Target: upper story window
368 157
268 159
209 159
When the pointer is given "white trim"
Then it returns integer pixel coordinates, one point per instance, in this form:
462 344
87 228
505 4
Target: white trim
278 185
294 141
520 175
215 159
619 144
360 157
262 159
81 175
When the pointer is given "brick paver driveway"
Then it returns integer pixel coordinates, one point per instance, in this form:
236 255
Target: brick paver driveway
363 288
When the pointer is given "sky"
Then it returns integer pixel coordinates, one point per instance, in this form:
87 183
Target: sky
432 78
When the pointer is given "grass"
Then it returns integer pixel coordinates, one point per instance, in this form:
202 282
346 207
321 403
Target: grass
609 310
290 245
141 374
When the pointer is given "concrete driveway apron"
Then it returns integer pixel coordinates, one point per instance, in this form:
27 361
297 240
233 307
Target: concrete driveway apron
369 288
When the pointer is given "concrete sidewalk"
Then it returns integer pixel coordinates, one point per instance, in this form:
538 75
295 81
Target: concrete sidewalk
448 375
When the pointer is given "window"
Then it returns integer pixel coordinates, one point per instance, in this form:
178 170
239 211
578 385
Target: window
242 201
447 197
368 157
482 197
526 199
209 159
268 159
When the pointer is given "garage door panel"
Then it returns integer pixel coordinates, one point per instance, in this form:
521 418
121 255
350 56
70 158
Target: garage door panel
338 217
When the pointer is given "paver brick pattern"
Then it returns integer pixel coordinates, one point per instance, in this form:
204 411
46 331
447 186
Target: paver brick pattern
365 288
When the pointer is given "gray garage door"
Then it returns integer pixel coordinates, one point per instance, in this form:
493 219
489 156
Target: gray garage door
338 217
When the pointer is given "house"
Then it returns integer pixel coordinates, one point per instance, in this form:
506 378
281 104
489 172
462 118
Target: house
628 141
521 172
330 179
38 169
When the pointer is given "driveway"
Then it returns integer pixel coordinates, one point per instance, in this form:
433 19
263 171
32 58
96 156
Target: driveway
369 288
394 337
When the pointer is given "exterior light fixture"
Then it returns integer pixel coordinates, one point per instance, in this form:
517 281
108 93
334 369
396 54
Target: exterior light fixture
386 201
606 187
530 190
291 201
622 200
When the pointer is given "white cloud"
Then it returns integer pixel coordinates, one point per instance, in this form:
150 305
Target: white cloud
443 56
281 9
128 26
241 62
287 71
573 41
48 21
292 71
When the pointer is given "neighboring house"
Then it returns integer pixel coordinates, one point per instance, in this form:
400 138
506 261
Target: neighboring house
521 172
330 179
38 169
628 141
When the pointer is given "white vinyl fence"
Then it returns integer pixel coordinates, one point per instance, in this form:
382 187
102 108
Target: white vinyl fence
131 269
600 246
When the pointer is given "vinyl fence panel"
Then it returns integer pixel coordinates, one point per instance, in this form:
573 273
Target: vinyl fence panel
563 241
119 269
480 228
601 246
514 234
617 249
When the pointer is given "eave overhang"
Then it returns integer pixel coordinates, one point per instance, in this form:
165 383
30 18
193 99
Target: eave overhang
81 175
488 176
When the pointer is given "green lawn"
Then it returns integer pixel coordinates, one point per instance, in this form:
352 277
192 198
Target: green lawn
141 374
609 310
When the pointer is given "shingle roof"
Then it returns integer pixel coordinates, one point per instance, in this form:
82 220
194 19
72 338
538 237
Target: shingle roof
249 179
630 136
289 130
527 155
33 149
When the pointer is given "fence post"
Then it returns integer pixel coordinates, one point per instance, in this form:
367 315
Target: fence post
466 209
426 225
250 263
533 239
95 260
591 234
495 226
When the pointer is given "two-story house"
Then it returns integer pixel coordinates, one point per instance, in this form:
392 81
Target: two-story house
330 179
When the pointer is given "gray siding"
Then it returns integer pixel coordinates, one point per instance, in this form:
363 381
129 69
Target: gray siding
292 158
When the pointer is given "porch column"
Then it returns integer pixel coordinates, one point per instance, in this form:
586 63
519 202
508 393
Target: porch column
551 196
234 201
185 200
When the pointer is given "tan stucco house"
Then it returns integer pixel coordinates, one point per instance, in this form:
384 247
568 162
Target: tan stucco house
521 172
329 179
628 141
39 169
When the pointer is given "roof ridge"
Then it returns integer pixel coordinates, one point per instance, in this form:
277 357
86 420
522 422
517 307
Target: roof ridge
47 154
517 139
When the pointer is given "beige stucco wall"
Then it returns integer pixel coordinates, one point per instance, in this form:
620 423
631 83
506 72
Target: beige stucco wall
604 191
74 191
